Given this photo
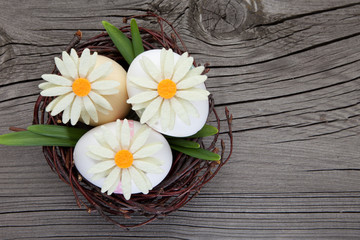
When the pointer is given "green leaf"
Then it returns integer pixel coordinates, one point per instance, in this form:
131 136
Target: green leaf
197 153
27 138
183 143
121 41
136 38
57 131
206 131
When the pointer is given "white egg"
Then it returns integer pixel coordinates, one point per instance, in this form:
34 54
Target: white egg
83 162
117 101
181 129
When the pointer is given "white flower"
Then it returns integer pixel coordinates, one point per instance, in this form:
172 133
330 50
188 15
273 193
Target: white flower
122 158
79 90
168 90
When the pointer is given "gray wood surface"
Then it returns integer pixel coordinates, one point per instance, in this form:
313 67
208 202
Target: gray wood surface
287 69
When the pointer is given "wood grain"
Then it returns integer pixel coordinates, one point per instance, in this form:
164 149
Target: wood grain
288 71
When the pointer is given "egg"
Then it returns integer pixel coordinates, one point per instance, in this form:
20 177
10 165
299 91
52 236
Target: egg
181 129
117 101
84 162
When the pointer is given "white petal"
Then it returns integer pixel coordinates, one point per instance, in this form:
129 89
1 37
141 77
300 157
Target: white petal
143 97
182 67
101 109
151 110
110 180
144 82
55 91
105 84
148 150
101 71
168 67
126 183
139 180
150 68
125 135
76 108
145 179
191 82
195 71
56 79
152 121
46 85
84 115
181 61
100 138
140 138
74 57
189 107
65 102
70 65
152 160
113 187
118 130
92 64
110 138
107 91
193 94
172 119
138 106
102 166
53 103
180 111
104 174
147 167
90 108
84 63
165 114
66 114
162 62
102 151
61 67
100 100
97 157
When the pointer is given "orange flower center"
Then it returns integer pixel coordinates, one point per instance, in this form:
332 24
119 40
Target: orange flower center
124 159
81 87
166 88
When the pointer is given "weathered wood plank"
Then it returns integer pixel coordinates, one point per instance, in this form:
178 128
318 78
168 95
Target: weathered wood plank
288 70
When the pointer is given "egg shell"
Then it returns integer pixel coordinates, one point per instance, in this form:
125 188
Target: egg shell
83 163
181 129
117 101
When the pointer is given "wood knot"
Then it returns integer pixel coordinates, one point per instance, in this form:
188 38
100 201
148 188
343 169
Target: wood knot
226 19
7 54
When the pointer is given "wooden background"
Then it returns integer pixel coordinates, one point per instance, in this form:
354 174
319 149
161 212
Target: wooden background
289 71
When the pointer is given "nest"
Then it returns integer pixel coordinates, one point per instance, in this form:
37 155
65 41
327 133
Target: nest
187 175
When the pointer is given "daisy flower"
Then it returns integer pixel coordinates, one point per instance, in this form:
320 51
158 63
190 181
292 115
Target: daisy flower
166 88
122 158
79 90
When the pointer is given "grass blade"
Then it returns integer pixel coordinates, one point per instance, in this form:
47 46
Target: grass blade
206 131
183 143
136 38
57 131
27 138
198 153
121 41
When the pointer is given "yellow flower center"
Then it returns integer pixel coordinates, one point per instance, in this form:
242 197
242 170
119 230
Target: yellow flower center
166 88
124 159
81 87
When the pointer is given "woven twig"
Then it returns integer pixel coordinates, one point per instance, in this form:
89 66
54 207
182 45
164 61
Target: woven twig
187 175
